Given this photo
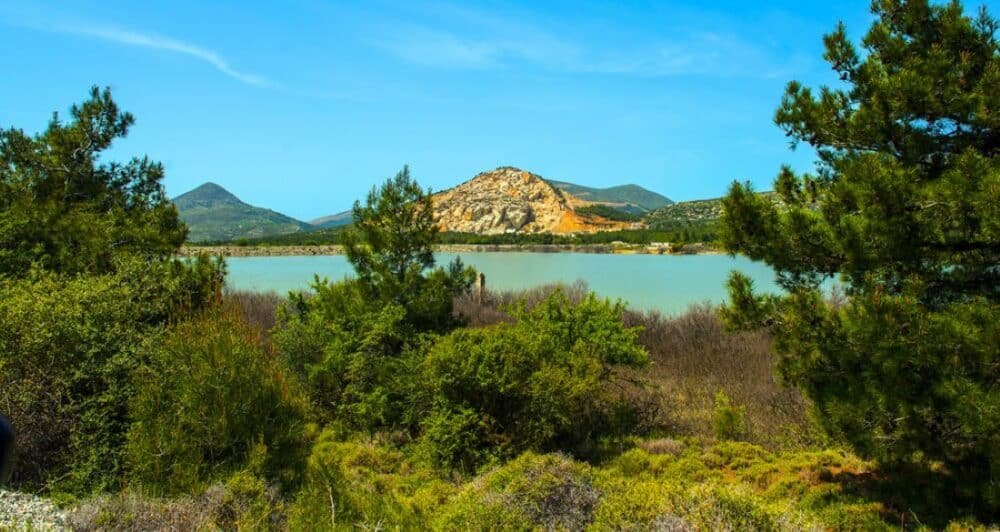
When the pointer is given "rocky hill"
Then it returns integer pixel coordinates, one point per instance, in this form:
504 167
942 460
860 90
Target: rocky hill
213 213
511 200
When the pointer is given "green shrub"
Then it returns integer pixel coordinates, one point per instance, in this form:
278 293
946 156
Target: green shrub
355 350
67 355
248 504
717 507
728 421
210 401
737 485
455 437
540 383
349 350
631 504
70 345
533 491
353 483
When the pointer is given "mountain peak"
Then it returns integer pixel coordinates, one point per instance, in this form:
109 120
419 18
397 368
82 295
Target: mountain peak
206 194
213 213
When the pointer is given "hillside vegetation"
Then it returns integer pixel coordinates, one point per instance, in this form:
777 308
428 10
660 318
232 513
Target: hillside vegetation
333 220
629 198
214 214
694 213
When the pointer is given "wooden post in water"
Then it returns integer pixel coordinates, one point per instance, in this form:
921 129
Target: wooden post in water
480 287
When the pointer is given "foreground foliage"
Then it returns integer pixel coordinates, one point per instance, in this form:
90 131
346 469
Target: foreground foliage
905 208
659 484
71 346
64 210
208 402
542 383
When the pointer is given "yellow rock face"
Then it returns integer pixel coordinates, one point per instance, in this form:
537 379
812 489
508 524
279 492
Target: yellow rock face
510 200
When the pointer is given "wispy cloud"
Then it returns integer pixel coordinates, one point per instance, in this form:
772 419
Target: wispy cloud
696 54
703 55
486 40
154 42
441 48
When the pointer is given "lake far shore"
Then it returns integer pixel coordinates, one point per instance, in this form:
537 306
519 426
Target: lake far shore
607 249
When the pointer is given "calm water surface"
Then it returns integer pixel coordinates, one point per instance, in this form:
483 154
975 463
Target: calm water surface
668 283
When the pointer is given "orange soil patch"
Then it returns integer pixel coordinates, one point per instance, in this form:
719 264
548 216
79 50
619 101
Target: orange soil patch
571 222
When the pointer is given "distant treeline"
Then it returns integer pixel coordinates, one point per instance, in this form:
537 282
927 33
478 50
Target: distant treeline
680 232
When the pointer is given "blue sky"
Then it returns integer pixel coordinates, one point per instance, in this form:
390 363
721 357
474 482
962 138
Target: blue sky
301 106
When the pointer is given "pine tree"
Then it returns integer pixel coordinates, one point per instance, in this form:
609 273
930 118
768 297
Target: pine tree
390 243
904 207
63 209
391 247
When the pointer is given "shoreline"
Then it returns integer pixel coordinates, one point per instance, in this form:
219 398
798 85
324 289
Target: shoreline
322 250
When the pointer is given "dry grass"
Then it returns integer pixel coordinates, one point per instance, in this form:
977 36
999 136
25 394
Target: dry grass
218 507
259 309
492 308
662 446
131 511
693 359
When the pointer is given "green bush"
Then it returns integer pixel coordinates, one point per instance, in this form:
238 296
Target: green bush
356 351
540 383
351 484
70 346
738 486
631 504
728 421
550 492
349 350
210 401
248 504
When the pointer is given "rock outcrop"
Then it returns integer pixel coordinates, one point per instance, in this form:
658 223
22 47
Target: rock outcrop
510 200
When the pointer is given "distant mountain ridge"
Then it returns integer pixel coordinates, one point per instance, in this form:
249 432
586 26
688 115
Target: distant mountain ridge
630 198
505 200
212 213
333 220
621 196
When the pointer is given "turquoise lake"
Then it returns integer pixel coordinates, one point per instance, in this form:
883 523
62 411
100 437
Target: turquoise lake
668 283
